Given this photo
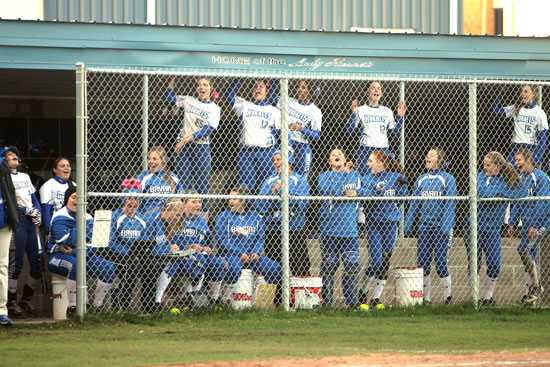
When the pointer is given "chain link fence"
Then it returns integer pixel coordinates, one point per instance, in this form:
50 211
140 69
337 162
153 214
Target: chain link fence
185 180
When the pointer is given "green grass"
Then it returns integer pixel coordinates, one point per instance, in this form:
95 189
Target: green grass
209 336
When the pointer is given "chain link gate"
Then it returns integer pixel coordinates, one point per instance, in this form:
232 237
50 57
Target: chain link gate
203 226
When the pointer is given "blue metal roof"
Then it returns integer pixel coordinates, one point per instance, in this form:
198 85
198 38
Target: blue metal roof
419 15
59 45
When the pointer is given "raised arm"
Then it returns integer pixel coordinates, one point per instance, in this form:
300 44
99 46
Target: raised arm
495 109
232 91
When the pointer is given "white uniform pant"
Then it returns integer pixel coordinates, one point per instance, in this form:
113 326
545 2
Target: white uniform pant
5 237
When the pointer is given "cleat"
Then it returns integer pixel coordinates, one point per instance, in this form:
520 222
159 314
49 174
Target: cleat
28 308
449 300
486 302
14 310
5 320
71 311
534 294
524 299
362 297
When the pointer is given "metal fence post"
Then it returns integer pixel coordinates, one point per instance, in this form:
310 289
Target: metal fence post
402 155
474 282
285 193
145 122
81 122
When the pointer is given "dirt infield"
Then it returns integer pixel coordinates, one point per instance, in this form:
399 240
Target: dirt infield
526 359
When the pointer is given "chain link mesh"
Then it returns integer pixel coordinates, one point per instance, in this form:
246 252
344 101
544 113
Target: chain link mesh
235 259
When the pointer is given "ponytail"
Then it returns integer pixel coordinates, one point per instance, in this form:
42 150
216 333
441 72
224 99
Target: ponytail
390 163
507 171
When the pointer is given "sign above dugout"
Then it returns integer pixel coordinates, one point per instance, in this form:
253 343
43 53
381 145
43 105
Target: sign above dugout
59 45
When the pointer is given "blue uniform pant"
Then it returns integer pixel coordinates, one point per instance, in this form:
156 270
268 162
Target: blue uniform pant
215 268
191 267
193 165
96 266
363 154
254 166
302 159
25 242
531 246
381 237
437 244
264 266
490 245
333 249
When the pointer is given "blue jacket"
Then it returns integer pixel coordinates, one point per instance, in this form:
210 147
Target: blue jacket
394 184
434 215
534 214
196 231
271 209
63 230
338 218
490 215
125 231
156 183
240 233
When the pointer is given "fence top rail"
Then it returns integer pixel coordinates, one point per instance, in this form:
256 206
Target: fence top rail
318 75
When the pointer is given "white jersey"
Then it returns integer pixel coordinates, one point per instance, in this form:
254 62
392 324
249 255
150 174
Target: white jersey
307 115
527 123
197 115
53 192
23 189
259 123
375 123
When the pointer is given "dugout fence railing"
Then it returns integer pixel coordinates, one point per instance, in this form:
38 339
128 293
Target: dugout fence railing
122 114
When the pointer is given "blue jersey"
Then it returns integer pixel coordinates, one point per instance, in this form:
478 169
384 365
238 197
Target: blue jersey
534 214
125 231
196 231
240 233
156 183
156 231
490 215
338 218
3 211
63 230
433 214
271 209
383 184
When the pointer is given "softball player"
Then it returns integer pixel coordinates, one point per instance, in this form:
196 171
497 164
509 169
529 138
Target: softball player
534 216
436 222
305 120
338 228
498 179
270 210
62 253
386 178
260 128
25 237
240 237
52 192
530 123
157 180
372 121
128 225
201 118
169 224
197 236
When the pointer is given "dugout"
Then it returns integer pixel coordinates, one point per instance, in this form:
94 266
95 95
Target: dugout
37 92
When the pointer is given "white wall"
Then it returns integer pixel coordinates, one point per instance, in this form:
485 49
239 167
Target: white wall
525 18
24 9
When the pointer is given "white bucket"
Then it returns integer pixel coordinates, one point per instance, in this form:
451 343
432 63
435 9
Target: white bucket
409 285
305 292
243 291
59 296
